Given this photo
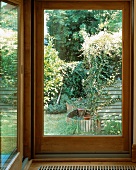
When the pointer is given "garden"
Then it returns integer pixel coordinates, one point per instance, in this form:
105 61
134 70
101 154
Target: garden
83 72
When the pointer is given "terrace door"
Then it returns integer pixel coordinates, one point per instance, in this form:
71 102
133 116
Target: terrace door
83 69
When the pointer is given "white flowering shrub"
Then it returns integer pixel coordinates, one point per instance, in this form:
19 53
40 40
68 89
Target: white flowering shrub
103 61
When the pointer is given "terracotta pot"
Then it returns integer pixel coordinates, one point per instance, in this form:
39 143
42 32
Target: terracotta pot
87 117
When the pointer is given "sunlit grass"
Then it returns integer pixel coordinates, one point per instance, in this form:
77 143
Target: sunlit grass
8 144
8 124
57 124
8 135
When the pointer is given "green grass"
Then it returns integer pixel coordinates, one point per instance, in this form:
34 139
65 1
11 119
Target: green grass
59 124
8 135
8 144
8 124
56 124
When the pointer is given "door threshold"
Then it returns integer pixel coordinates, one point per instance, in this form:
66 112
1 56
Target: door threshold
83 160
85 157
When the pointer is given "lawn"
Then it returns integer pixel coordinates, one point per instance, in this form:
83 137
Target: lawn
8 128
56 124
60 124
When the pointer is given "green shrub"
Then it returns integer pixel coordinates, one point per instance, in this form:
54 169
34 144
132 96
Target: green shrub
82 83
60 80
105 51
71 87
56 108
53 79
8 59
73 74
103 61
112 126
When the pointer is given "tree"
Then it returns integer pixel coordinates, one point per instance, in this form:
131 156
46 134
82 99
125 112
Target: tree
65 27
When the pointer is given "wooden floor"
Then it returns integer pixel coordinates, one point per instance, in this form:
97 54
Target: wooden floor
36 165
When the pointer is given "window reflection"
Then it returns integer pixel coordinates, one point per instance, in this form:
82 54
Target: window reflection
8 81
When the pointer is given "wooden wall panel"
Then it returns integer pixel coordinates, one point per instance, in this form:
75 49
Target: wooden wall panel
134 118
27 79
21 81
134 153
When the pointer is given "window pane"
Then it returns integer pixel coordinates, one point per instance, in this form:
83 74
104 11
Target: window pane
8 81
83 72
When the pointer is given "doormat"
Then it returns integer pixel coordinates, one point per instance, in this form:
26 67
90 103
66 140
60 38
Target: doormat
88 167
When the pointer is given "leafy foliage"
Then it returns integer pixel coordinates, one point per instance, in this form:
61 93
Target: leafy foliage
112 126
67 38
110 20
103 59
61 78
8 63
73 74
7 15
56 108
53 79
69 23
8 46
83 84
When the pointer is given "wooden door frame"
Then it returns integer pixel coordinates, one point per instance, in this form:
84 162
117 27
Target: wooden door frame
38 98
134 97
27 117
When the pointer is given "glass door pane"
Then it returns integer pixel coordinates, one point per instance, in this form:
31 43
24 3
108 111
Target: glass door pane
8 81
83 72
